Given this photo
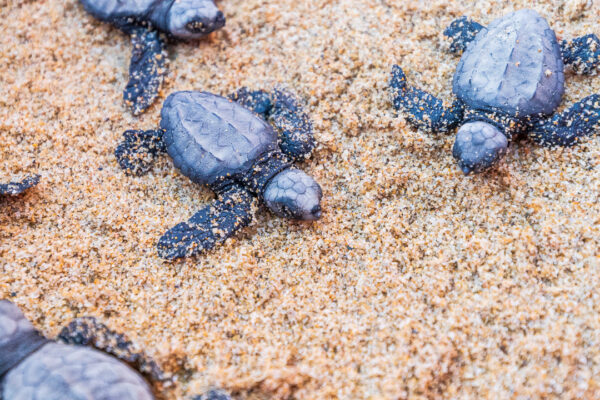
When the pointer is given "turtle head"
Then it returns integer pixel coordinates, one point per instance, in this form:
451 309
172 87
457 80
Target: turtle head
478 146
193 19
294 194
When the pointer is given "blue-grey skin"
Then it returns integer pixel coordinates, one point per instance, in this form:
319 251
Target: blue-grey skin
15 188
226 145
509 80
143 19
32 367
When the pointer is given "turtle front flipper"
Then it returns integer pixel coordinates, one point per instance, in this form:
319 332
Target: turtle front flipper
14 188
138 150
461 32
88 331
293 125
258 101
568 127
210 226
146 71
582 54
286 113
423 110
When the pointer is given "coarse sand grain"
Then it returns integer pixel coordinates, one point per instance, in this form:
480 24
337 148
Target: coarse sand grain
417 282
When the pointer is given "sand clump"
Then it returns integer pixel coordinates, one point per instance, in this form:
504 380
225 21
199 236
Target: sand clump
416 283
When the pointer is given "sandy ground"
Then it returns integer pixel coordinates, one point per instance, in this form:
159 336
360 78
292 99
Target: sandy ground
418 282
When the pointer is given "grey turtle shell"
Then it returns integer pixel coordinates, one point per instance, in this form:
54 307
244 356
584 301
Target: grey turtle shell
63 372
513 66
211 137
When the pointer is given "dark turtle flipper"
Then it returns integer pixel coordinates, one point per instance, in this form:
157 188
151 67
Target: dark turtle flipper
294 127
461 32
18 338
582 54
146 71
138 150
210 226
14 188
87 331
566 128
287 115
258 101
423 110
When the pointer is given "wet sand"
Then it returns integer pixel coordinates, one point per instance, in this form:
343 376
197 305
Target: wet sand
417 282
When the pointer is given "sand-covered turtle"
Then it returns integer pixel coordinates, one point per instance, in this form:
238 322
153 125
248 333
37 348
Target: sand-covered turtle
143 20
33 367
18 187
227 144
509 81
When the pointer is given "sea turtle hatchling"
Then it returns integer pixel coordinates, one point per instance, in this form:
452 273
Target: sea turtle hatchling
143 20
509 81
34 367
228 145
18 187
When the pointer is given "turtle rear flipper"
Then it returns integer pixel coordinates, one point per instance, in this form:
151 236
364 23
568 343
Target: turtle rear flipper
422 109
461 32
210 226
146 71
568 127
582 54
14 188
138 150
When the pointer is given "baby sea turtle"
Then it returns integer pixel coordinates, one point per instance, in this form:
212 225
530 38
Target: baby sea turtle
509 81
227 145
34 367
142 19
15 188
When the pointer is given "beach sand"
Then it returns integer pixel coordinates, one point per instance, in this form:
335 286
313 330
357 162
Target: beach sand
418 282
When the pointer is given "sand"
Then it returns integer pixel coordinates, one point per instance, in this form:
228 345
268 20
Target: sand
417 282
